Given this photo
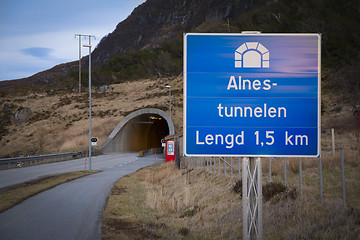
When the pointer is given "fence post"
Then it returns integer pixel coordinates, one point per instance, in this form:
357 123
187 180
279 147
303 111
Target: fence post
210 167
213 164
300 176
269 169
219 165
333 141
343 176
320 177
285 171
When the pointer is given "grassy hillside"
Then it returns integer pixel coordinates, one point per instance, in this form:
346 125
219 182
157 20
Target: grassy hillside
338 23
60 116
60 119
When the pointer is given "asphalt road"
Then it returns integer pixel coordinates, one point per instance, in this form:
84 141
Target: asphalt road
72 210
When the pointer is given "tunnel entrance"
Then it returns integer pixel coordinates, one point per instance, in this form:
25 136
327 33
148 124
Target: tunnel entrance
140 130
143 132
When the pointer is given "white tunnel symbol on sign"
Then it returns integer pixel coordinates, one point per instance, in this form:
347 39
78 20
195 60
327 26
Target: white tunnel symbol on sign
252 55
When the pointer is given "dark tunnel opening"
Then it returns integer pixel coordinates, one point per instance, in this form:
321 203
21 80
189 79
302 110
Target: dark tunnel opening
141 132
158 130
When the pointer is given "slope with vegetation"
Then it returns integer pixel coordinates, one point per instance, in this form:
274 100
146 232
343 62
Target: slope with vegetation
141 57
162 202
148 45
60 119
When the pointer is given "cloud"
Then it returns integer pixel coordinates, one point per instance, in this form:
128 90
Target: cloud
26 55
39 52
37 35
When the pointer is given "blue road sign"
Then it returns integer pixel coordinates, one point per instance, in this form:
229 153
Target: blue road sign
252 95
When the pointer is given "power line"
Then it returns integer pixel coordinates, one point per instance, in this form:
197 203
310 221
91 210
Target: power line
81 35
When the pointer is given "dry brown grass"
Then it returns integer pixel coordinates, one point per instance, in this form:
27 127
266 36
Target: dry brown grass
60 121
178 202
294 164
156 175
79 136
308 218
333 161
277 166
196 204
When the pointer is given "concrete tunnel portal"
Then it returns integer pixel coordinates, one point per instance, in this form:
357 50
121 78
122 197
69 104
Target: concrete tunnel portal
140 130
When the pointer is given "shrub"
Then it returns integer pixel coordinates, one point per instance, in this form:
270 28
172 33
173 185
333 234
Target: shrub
184 231
271 189
191 212
238 187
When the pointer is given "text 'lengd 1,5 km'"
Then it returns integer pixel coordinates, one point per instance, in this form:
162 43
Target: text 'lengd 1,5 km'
252 94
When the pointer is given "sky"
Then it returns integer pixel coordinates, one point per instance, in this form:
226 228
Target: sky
36 35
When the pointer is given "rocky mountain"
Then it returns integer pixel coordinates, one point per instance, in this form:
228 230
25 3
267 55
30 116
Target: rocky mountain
156 21
149 25
149 42
50 77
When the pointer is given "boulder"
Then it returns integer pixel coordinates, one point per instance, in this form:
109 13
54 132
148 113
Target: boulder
103 89
22 115
7 107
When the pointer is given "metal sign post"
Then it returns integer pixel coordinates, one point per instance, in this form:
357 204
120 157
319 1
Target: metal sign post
252 198
285 171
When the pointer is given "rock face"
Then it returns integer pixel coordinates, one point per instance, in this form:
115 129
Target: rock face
7 107
104 88
158 20
150 24
22 115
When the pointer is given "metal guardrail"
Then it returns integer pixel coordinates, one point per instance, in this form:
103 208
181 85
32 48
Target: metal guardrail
32 160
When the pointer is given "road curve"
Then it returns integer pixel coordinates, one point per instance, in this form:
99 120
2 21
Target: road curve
72 210
16 176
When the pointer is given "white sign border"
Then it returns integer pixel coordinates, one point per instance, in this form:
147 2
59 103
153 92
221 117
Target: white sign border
318 35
